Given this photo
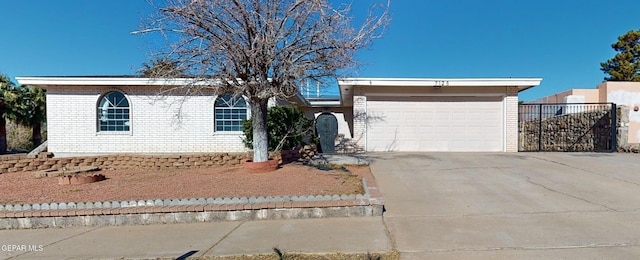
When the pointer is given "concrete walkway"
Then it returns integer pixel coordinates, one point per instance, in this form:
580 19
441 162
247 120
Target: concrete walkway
356 235
511 206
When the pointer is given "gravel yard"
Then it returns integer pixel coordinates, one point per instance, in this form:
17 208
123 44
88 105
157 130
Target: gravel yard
143 184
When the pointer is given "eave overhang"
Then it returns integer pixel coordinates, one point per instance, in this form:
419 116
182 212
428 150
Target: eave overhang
347 85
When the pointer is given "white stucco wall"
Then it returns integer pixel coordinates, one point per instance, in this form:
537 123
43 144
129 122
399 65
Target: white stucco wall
631 99
628 94
171 124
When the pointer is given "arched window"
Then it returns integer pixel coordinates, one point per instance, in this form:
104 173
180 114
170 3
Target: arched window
229 112
113 113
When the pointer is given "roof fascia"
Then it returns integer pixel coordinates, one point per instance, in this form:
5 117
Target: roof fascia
442 82
107 81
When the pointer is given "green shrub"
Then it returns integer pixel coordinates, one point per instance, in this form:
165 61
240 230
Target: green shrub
287 128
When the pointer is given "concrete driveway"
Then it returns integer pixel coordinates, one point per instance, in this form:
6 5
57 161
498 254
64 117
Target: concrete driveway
507 206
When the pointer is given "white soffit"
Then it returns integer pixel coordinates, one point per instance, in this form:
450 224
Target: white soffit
324 103
523 83
111 81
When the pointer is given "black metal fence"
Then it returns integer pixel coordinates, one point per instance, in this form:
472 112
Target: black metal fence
567 127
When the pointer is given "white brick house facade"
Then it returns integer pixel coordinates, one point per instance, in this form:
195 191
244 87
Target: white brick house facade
376 114
158 124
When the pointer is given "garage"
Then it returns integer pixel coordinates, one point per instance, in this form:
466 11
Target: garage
434 115
459 123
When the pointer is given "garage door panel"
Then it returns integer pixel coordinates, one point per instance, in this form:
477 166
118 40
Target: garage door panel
424 117
457 116
435 124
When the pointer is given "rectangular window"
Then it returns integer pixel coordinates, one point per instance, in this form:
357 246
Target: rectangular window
228 119
229 112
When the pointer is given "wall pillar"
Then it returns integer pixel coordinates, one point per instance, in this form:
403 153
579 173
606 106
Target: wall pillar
511 119
360 119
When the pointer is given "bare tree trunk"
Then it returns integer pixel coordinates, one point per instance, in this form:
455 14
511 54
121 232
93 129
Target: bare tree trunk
36 135
260 136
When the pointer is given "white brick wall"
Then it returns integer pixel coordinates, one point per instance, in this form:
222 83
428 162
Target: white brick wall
167 124
511 119
360 118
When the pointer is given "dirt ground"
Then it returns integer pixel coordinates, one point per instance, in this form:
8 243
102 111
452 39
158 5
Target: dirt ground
143 184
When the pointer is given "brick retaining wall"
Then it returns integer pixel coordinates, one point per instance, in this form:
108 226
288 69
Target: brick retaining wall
44 161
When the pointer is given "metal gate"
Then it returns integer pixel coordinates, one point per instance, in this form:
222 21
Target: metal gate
567 127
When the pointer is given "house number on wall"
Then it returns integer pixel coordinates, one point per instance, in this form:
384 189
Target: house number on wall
441 83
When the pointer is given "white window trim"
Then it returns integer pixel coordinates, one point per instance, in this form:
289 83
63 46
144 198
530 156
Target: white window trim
216 132
130 107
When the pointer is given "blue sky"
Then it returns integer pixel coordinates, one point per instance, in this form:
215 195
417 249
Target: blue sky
561 41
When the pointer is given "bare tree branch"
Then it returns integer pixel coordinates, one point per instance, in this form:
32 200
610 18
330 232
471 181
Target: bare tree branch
261 48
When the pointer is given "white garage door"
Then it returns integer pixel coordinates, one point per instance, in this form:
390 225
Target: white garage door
435 124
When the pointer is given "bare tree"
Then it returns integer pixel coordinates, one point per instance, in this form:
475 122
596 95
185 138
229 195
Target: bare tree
263 48
161 68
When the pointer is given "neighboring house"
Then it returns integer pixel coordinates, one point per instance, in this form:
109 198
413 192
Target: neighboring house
98 115
618 92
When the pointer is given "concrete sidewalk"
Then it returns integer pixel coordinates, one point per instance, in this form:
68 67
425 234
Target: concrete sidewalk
328 235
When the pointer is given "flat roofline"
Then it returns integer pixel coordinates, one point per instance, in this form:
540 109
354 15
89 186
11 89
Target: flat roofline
43 82
134 80
113 81
345 84
521 83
